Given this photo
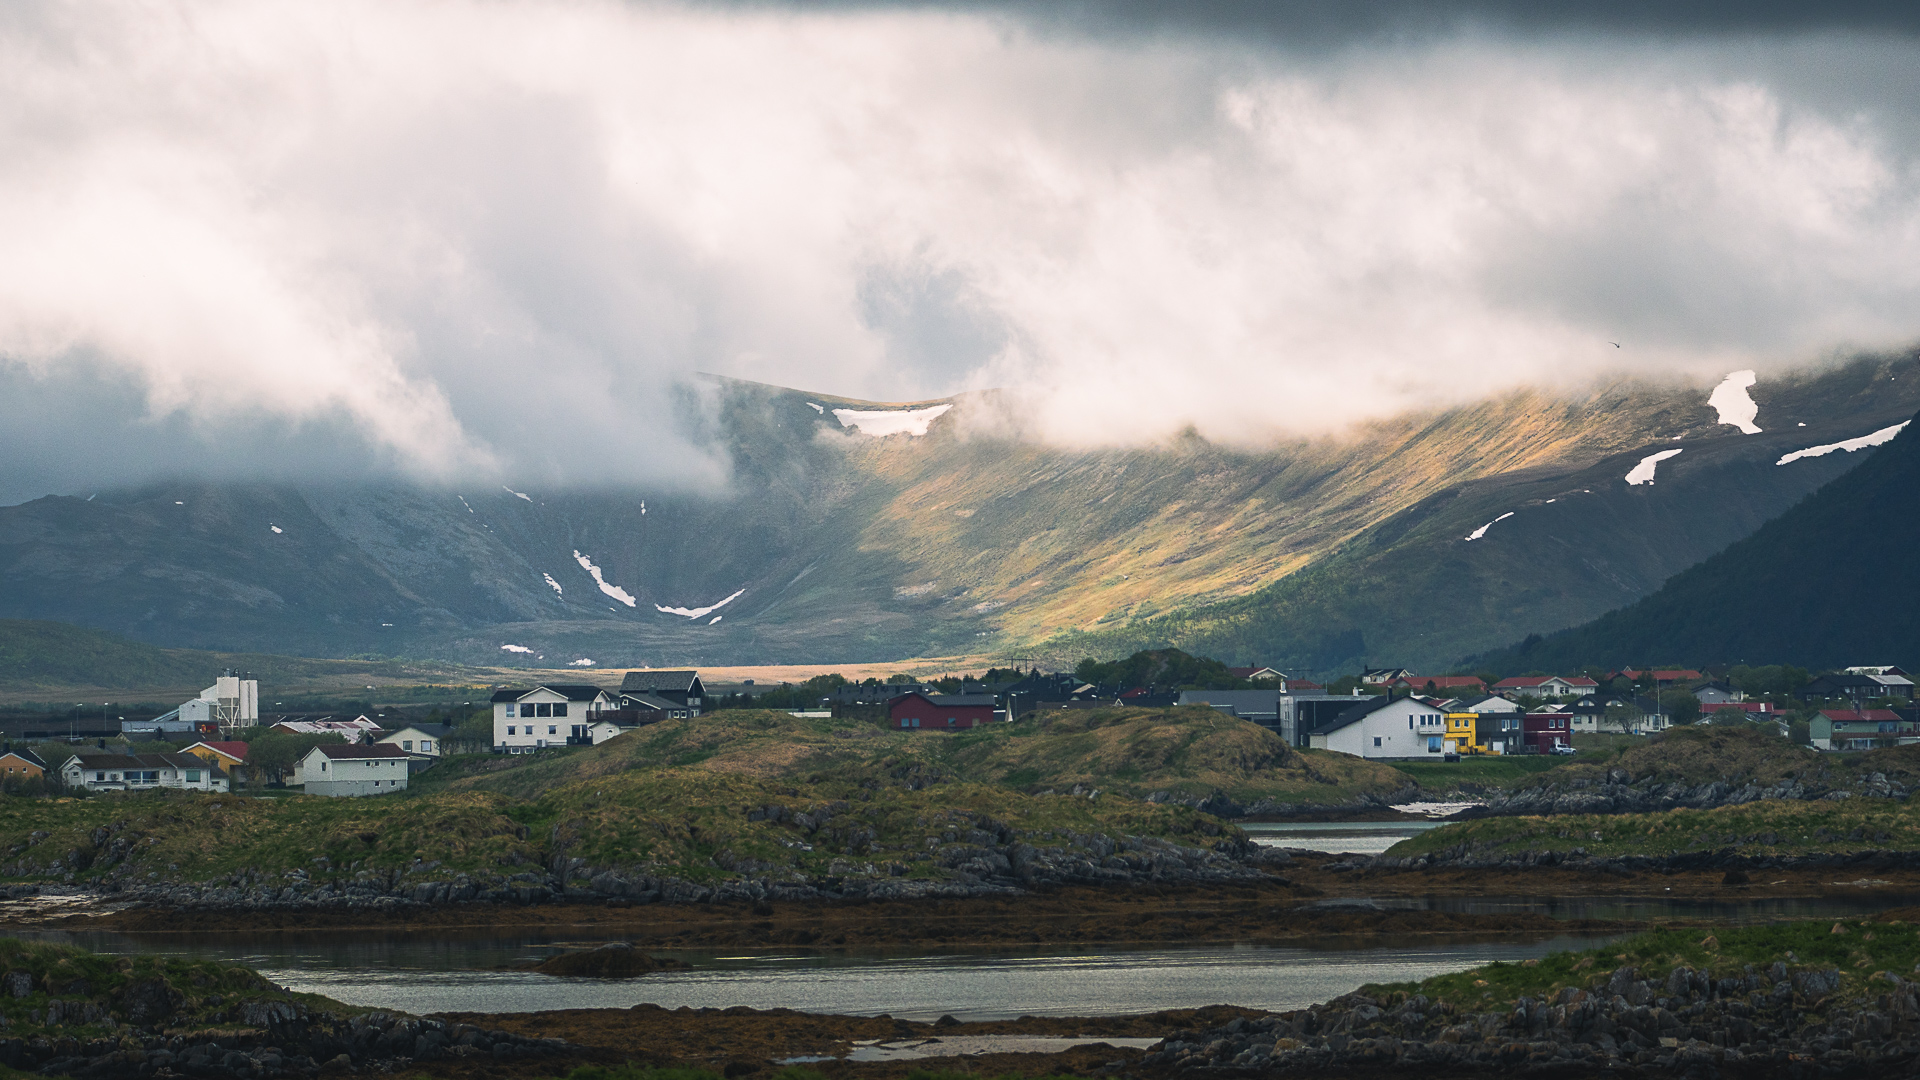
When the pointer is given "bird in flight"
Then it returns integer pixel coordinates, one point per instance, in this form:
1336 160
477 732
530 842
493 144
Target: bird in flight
1615 344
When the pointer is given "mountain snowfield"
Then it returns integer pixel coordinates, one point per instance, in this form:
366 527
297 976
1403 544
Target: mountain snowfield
896 531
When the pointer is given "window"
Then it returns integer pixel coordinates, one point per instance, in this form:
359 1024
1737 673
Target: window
560 708
509 708
553 729
406 744
543 709
323 766
1376 740
950 721
100 776
193 776
426 746
510 729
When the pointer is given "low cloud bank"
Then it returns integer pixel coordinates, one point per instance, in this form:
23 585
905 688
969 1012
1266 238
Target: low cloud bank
451 238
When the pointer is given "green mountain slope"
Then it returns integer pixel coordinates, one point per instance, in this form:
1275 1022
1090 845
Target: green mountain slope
1829 583
828 545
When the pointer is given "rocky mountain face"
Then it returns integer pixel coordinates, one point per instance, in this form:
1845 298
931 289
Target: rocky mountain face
832 543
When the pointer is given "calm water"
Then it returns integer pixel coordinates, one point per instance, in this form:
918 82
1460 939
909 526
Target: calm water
427 976
1342 837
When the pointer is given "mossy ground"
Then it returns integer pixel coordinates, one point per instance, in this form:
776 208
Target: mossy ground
1861 950
1767 827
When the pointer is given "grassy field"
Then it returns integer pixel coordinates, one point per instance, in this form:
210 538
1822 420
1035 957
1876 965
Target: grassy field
1767 827
1863 951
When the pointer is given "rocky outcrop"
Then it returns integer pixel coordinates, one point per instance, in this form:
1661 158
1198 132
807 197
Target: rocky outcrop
1778 1022
1222 805
1619 792
983 858
262 1039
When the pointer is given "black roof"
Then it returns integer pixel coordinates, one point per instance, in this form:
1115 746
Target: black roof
27 756
1361 711
650 701
570 692
655 681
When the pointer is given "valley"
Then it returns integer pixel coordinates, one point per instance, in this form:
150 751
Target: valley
1418 541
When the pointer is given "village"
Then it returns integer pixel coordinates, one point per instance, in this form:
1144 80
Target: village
219 742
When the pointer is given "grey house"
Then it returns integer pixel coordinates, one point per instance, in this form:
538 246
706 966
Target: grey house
343 770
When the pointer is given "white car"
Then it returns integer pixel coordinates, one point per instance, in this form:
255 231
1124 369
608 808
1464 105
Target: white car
1562 748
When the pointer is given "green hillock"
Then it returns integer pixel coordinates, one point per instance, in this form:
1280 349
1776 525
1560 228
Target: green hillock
1766 827
1865 952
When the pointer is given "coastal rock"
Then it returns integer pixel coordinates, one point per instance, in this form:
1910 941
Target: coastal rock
1689 1024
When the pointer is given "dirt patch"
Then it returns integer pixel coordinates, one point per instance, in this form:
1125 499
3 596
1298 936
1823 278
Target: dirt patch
740 1041
1266 913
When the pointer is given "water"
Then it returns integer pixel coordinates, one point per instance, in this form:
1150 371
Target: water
439 976
1339 837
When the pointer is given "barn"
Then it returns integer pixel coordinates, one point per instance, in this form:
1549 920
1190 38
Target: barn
939 712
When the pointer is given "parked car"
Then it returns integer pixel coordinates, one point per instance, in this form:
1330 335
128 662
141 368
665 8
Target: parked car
1562 748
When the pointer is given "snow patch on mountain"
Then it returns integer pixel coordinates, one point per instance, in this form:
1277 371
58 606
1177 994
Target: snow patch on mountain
1482 530
1643 472
1735 406
555 584
696 613
1885 434
516 494
881 422
515 648
600 579
582 662
276 528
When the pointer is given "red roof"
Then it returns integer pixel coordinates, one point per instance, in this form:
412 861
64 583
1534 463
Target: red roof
1302 684
1440 682
1867 715
234 749
1524 682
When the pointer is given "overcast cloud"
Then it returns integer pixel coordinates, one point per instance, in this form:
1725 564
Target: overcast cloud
459 238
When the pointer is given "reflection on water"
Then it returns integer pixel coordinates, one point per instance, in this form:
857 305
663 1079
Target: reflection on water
1339 837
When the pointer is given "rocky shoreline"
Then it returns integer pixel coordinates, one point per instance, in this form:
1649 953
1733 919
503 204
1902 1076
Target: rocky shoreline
269 1039
1777 1022
1467 857
1619 792
983 862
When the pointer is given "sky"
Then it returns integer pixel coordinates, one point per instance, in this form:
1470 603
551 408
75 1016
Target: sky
453 239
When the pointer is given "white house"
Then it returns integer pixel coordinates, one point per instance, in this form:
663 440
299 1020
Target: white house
554 715
1490 703
342 770
142 772
420 740
1381 728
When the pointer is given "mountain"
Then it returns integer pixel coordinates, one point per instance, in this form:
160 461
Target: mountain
1830 583
828 542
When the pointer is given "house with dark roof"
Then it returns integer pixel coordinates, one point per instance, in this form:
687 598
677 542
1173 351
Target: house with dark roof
17 765
347 771
1382 727
939 712
143 772
1859 686
683 687
548 715
1258 706
1251 673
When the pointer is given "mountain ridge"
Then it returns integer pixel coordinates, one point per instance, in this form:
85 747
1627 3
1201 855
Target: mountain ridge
831 545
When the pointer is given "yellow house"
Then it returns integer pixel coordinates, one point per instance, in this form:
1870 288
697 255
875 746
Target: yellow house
1460 733
229 756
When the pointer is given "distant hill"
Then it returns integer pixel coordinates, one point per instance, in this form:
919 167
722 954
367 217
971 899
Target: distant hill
1832 582
59 657
1411 541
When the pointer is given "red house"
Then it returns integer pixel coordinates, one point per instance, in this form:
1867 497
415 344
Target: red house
939 712
1544 731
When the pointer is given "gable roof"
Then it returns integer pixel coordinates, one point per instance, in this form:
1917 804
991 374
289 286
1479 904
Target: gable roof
1366 707
234 749
432 731
651 701
570 691
143 762
345 751
1256 673
27 756
1866 715
948 701
656 681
